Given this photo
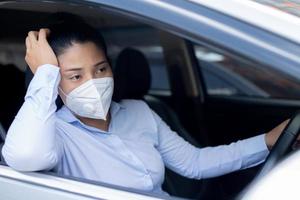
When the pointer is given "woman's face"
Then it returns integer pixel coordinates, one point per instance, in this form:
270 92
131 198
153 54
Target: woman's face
80 63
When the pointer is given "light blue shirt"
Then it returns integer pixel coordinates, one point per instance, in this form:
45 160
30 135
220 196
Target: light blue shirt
132 153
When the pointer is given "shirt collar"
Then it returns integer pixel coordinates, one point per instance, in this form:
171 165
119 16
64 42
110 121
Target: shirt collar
65 113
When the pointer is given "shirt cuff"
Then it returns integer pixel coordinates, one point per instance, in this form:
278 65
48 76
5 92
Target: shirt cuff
46 75
254 151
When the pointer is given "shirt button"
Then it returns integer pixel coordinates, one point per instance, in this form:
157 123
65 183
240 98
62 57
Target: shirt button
146 175
148 182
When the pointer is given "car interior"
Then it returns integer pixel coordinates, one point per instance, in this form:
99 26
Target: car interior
185 83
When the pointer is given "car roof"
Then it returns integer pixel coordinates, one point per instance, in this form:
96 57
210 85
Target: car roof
261 15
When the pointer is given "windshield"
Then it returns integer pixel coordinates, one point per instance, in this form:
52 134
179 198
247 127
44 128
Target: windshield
288 6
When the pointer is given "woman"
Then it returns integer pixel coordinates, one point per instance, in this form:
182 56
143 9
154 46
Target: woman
92 137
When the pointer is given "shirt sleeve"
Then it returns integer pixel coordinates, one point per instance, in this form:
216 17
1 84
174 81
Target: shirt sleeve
192 162
31 143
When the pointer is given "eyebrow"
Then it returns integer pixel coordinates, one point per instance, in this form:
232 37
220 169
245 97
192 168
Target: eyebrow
73 69
79 68
100 63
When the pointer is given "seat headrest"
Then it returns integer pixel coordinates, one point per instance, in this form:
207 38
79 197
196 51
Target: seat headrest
132 75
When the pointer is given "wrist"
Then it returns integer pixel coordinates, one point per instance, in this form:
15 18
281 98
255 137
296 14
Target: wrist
268 141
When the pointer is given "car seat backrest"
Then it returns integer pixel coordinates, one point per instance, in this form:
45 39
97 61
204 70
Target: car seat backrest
132 75
12 93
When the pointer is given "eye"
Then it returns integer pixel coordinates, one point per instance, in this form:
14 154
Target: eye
75 78
101 70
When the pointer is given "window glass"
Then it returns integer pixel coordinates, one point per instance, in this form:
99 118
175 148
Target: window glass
227 76
147 41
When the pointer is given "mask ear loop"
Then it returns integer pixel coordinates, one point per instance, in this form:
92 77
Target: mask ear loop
63 94
62 91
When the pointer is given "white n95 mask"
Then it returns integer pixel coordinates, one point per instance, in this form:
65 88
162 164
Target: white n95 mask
92 99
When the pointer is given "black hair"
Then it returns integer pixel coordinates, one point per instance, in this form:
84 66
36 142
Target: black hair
67 29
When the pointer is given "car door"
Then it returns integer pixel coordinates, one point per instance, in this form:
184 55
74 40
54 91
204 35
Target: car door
199 24
32 185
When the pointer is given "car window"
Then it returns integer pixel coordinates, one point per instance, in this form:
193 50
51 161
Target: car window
232 76
144 39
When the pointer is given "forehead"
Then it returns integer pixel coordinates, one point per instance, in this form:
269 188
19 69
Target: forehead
81 55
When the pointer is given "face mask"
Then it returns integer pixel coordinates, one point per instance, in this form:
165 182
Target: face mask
92 99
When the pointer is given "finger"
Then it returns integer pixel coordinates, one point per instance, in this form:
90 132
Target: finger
47 31
42 34
33 36
27 43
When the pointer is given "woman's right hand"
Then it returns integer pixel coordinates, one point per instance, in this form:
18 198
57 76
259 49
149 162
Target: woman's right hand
38 50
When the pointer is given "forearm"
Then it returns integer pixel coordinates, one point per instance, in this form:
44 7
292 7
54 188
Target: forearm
30 144
190 161
224 159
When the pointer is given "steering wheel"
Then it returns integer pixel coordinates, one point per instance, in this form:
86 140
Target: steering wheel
2 134
283 145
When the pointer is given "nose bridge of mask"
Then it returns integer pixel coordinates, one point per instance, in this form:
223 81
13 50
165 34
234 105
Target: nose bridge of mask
95 85
89 89
102 81
80 90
